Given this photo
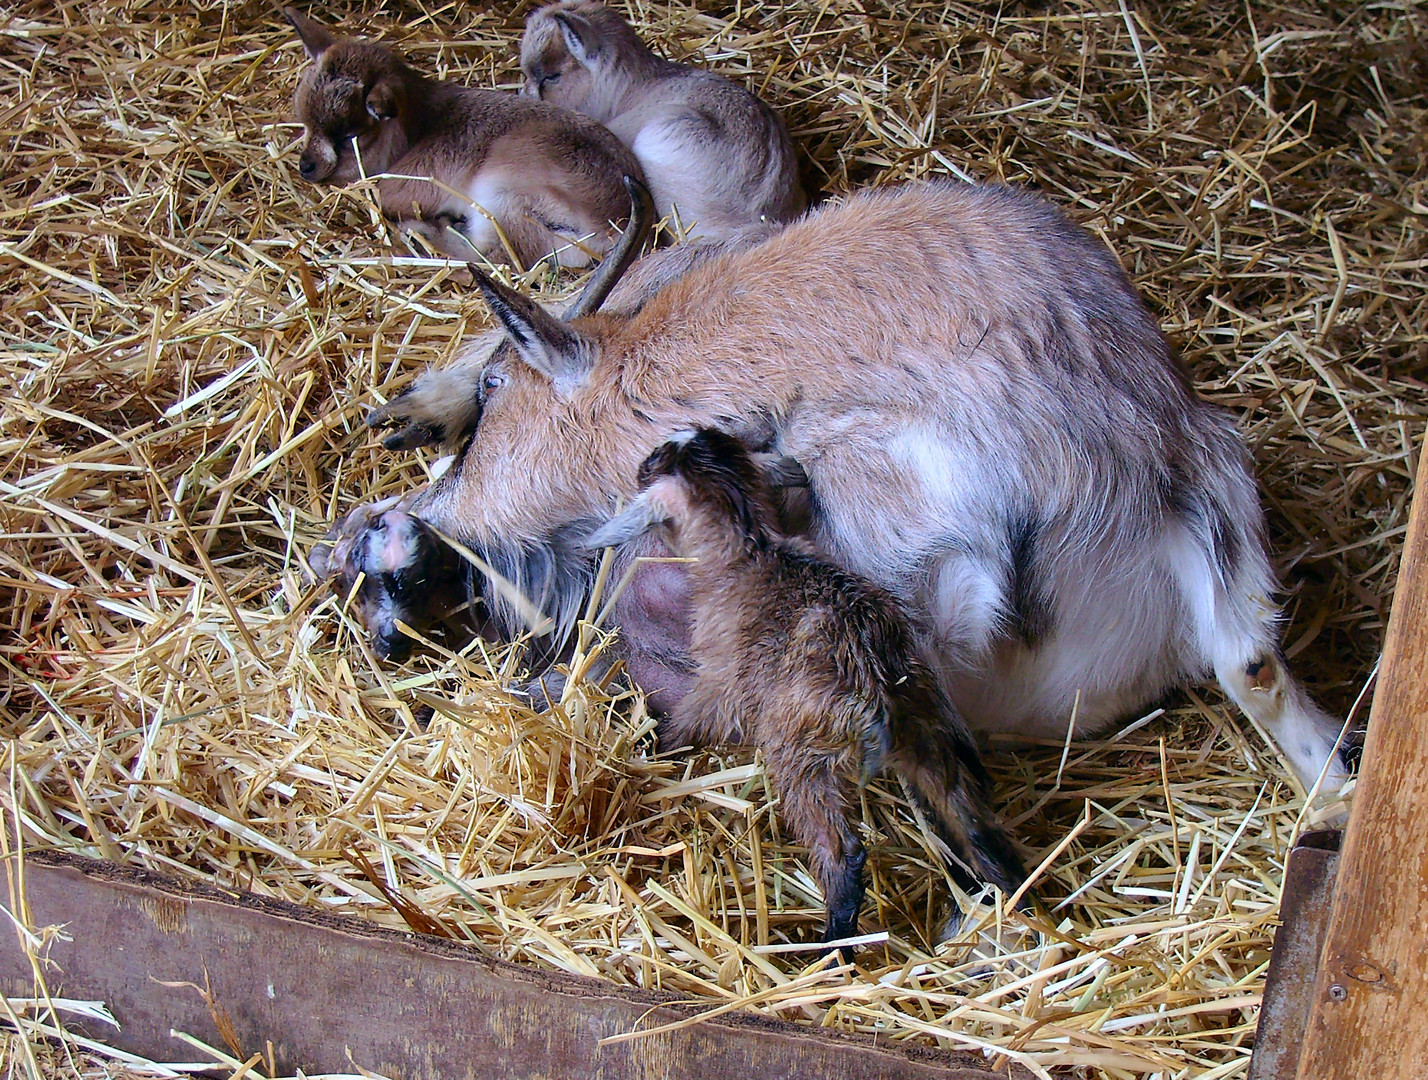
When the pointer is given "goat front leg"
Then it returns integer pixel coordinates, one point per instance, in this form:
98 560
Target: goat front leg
817 786
441 407
702 717
401 570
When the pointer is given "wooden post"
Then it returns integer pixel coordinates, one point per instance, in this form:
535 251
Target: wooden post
1369 1016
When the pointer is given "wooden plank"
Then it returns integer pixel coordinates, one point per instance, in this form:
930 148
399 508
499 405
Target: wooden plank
334 994
1289 985
1368 1017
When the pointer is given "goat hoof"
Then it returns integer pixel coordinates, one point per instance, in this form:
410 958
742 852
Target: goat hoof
411 432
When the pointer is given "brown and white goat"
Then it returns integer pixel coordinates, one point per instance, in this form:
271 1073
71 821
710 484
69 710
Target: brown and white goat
811 664
470 171
710 149
993 429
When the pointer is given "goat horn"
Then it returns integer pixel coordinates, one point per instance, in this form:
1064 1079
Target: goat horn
620 256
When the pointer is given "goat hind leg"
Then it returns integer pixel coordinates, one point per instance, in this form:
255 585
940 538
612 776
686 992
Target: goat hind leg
1234 627
956 809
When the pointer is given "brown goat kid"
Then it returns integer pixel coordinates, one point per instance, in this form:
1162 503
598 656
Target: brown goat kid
709 148
811 664
470 171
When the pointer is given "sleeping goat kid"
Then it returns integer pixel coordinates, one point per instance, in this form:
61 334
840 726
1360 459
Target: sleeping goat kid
470 170
709 148
811 664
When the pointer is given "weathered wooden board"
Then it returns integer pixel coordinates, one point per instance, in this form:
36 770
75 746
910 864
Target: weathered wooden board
335 994
1370 1011
1289 986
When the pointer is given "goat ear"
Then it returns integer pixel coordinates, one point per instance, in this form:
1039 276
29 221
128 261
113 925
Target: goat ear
539 338
386 98
316 38
642 515
581 37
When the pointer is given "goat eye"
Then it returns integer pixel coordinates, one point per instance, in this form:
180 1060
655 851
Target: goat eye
553 77
491 381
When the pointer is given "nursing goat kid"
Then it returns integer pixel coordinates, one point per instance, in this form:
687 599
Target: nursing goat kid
470 171
992 427
709 148
814 666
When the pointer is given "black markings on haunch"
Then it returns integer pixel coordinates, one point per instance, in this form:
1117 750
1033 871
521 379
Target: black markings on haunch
1205 516
1031 615
1224 538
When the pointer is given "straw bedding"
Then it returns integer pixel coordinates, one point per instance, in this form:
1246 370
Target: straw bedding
190 336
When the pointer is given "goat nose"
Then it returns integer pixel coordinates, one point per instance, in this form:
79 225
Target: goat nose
307 167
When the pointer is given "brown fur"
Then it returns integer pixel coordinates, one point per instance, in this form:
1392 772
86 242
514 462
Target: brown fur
993 430
470 171
815 667
711 150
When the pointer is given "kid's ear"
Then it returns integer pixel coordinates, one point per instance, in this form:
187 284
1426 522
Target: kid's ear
581 37
385 99
315 37
642 515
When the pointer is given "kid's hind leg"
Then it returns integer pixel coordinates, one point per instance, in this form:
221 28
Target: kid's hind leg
537 229
963 822
933 751
543 221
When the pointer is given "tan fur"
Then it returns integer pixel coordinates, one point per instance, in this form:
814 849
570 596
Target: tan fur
700 350
712 151
993 430
439 407
470 171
